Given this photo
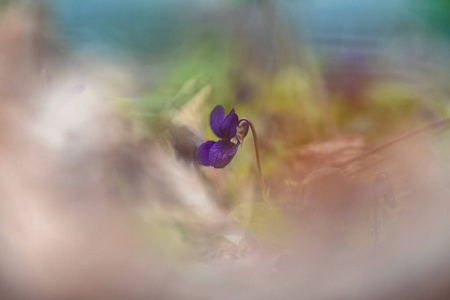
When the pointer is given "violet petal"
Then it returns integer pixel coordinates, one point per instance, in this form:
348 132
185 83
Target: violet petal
228 127
216 119
221 153
203 153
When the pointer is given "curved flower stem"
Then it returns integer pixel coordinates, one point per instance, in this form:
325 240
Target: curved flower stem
258 161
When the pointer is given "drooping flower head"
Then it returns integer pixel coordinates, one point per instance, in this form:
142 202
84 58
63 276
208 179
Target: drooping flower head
219 154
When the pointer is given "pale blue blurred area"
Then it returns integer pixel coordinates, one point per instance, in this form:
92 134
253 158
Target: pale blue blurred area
327 17
144 27
401 39
139 28
365 22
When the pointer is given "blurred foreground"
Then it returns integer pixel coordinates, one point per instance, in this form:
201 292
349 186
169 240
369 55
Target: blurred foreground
101 197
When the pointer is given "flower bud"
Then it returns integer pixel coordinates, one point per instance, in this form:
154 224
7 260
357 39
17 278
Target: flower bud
241 131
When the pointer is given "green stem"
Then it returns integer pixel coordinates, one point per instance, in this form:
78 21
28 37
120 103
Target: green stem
258 161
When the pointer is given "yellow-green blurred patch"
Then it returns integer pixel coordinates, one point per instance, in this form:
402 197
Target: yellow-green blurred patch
267 222
393 97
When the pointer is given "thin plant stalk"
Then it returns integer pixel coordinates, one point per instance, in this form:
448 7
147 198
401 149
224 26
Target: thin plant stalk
436 124
258 160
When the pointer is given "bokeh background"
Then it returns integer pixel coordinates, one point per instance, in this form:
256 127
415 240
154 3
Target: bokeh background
104 104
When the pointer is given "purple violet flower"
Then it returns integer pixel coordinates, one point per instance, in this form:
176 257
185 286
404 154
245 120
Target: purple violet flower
219 154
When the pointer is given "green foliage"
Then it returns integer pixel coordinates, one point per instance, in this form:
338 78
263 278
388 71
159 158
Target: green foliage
436 13
205 66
